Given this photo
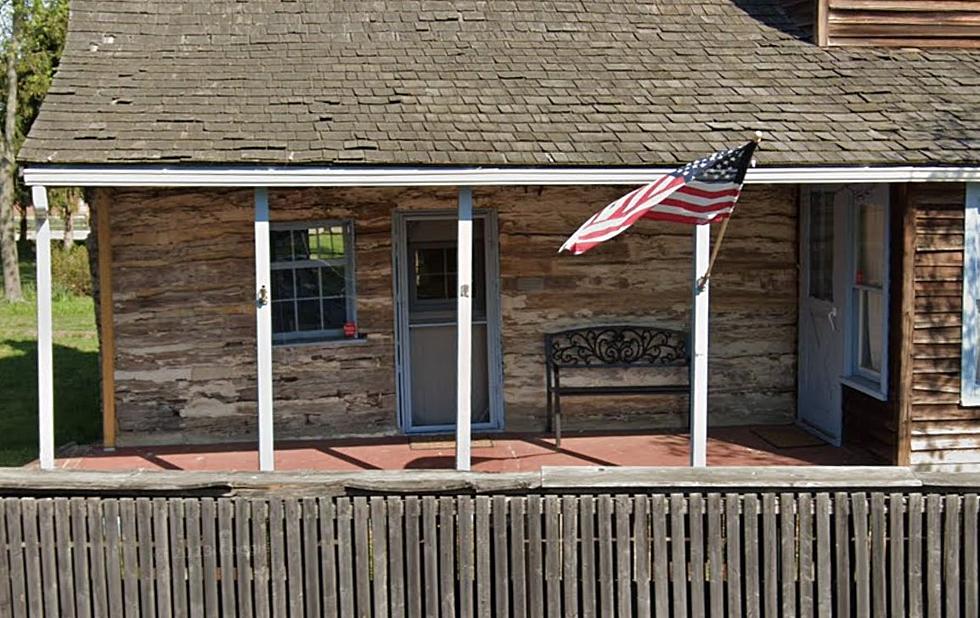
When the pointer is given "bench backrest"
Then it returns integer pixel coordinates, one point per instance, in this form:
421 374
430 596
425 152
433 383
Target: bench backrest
623 345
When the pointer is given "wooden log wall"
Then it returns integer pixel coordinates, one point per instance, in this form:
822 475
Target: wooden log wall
899 23
943 433
664 554
183 275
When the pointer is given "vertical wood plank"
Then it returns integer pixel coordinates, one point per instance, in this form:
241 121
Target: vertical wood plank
806 571
311 556
362 565
16 572
345 557
842 556
862 558
642 554
552 557
379 552
825 607
178 555
48 550
484 577
500 564
328 555
879 556
5 593
226 553
535 557
695 518
396 555
518 573
787 552
934 556
209 557
144 545
661 562
971 569
80 546
914 569
195 565
607 582
569 555
277 558
951 554
750 524
131 568
733 554
587 551
430 551
678 554
447 555
624 588
896 553
467 556
293 518
96 535
715 558
413 557
113 561
32 559
260 557
242 513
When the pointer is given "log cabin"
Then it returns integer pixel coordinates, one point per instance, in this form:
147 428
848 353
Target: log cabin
289 196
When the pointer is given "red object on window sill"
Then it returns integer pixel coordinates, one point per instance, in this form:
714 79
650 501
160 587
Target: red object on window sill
350 330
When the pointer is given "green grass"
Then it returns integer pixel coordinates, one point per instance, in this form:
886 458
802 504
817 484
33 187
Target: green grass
76 374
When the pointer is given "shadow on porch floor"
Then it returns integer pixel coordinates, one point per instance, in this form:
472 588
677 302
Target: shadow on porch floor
727 446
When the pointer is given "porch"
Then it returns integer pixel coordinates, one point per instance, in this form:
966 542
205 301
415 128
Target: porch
760 445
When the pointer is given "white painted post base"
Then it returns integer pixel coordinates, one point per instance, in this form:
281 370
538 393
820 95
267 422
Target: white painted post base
464 326
699 348
45 343
263 330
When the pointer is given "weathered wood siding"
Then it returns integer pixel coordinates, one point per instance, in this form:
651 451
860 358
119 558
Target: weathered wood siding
184 275
942 431
899 23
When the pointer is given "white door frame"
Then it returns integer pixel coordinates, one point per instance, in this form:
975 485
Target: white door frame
403 355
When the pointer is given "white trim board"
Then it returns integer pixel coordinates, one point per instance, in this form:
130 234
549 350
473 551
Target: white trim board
352 176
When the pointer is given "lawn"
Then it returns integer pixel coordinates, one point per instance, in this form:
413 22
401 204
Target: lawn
76 374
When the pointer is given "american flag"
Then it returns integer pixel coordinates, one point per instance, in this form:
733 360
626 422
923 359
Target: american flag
700 192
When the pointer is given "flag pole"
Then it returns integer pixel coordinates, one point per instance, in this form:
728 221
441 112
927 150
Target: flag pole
721 234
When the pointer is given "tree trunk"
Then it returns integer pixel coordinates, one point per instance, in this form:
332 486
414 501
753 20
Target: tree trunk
22 246
70 208
8 244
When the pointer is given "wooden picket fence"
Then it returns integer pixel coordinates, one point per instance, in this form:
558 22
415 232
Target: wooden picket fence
746 553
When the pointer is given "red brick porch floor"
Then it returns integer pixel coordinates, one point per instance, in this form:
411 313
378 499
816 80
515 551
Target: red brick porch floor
728 446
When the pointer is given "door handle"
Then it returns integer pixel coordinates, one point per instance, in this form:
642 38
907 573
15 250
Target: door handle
832 318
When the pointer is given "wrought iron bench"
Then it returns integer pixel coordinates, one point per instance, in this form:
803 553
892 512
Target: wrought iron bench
611 347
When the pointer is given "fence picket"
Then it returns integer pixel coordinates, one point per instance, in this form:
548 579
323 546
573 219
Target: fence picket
195 567
879 555
345 557
518 574
733 554
311 556
805 536
842 558
15 557
535 557
623 557
396 558
242 548
467 557
413 558
642 554
226 556
484 592
715 551
328 556
552 557
787 552
569 551
934 555
379 557
914 568
660 572
97 555
178 556
209 556
80 558
971 602
260 557
678 555
896 554
586 520
430 555
501 576
951 554
695 520
824 576
607 582
447 555
144 544
362 564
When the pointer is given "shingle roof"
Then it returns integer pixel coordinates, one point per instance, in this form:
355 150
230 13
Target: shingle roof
498 82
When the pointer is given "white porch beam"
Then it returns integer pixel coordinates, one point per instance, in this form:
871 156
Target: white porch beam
45 343
263 329
350 176
699 348
464 326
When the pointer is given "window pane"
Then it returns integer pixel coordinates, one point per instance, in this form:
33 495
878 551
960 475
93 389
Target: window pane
330 243
431 287
871 250
430 261
333 281
283 317
307 282
870 306
821 229
334 313
309 315
282 284
282 246
301 244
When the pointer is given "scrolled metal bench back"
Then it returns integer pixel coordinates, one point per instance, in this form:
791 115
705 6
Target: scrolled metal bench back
617 346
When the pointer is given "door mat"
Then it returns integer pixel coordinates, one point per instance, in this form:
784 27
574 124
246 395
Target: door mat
423 444
787 436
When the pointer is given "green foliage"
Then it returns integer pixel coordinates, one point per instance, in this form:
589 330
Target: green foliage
70 275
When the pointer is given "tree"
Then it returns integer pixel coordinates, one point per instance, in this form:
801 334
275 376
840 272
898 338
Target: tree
34 35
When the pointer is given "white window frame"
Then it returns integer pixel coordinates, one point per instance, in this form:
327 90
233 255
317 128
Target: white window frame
350 287
874 384
969 382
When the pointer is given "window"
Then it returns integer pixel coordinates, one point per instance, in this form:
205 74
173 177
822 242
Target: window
970 369
868 298
312 281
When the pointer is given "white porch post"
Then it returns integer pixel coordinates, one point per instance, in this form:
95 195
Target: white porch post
263 330
45 365
464 326
699 348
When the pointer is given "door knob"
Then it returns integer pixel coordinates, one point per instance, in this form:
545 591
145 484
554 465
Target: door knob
832 318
